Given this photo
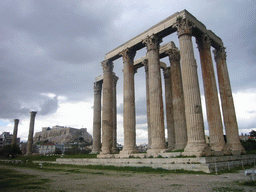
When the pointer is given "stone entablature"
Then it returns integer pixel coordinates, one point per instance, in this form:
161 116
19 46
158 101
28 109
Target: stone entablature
61 134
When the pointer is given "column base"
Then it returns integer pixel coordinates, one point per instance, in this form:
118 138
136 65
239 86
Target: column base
236 148
155 152
180 146
128 151
28 154
114 150
197 149
95 151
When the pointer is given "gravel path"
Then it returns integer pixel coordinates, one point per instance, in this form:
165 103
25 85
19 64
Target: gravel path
80 179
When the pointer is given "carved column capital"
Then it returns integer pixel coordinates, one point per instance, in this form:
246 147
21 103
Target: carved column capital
115 79
167 72
97 87
33 113
174 53
184 27
128 54
145 63
220 54
203 42
152 42
107 65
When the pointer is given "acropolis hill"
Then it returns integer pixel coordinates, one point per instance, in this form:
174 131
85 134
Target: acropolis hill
61 134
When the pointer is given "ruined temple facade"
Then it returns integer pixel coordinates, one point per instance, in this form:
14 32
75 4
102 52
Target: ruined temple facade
61 134
183 111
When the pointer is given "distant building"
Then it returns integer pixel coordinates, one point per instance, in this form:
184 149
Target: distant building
6 139
50 148
61 135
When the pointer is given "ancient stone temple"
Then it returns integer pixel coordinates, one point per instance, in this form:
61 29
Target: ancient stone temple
183 111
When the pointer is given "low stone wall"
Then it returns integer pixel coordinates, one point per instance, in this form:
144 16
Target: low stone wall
205 164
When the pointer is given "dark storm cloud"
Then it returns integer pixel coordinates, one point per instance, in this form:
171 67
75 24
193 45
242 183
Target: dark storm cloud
51 47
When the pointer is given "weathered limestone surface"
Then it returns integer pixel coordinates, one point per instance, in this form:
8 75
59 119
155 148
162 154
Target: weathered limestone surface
193 109
107 111
114 148
31 132
177 99
15 131
97 117
155 95
228 108
217 142
169 108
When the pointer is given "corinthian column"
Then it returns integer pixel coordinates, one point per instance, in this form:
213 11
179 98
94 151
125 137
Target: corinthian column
217 142
107 110
193 109
31 132
15 131
97 117
145 62
155 96
178 99
129 103
169 109
228 108
114 148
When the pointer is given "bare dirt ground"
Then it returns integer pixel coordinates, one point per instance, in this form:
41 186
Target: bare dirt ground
80 179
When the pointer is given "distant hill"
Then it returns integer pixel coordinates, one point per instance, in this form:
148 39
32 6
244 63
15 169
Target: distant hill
61 134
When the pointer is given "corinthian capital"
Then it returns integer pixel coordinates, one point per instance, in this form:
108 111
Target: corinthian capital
220 54
152 42
97 87
184 26
174 53
107 65
128 54
115 79
203 42
167 72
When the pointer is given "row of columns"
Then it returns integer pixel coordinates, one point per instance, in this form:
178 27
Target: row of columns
30 134
183 103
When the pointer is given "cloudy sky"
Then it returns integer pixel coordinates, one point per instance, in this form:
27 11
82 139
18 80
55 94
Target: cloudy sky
51 52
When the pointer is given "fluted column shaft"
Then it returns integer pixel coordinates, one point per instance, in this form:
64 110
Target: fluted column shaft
194 118
97 117
217 142
178 99
15 131
114 148
107 109
129 103
155 96
169 108
145 62
228 108
31 132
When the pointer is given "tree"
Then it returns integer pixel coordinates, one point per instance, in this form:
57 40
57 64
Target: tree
252 133
10 151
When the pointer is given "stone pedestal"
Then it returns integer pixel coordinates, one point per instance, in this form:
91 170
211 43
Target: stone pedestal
177 99
129 103
155 96
193 109
15 131
169 109
107 110
217 142
228 109
97 118
31 132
